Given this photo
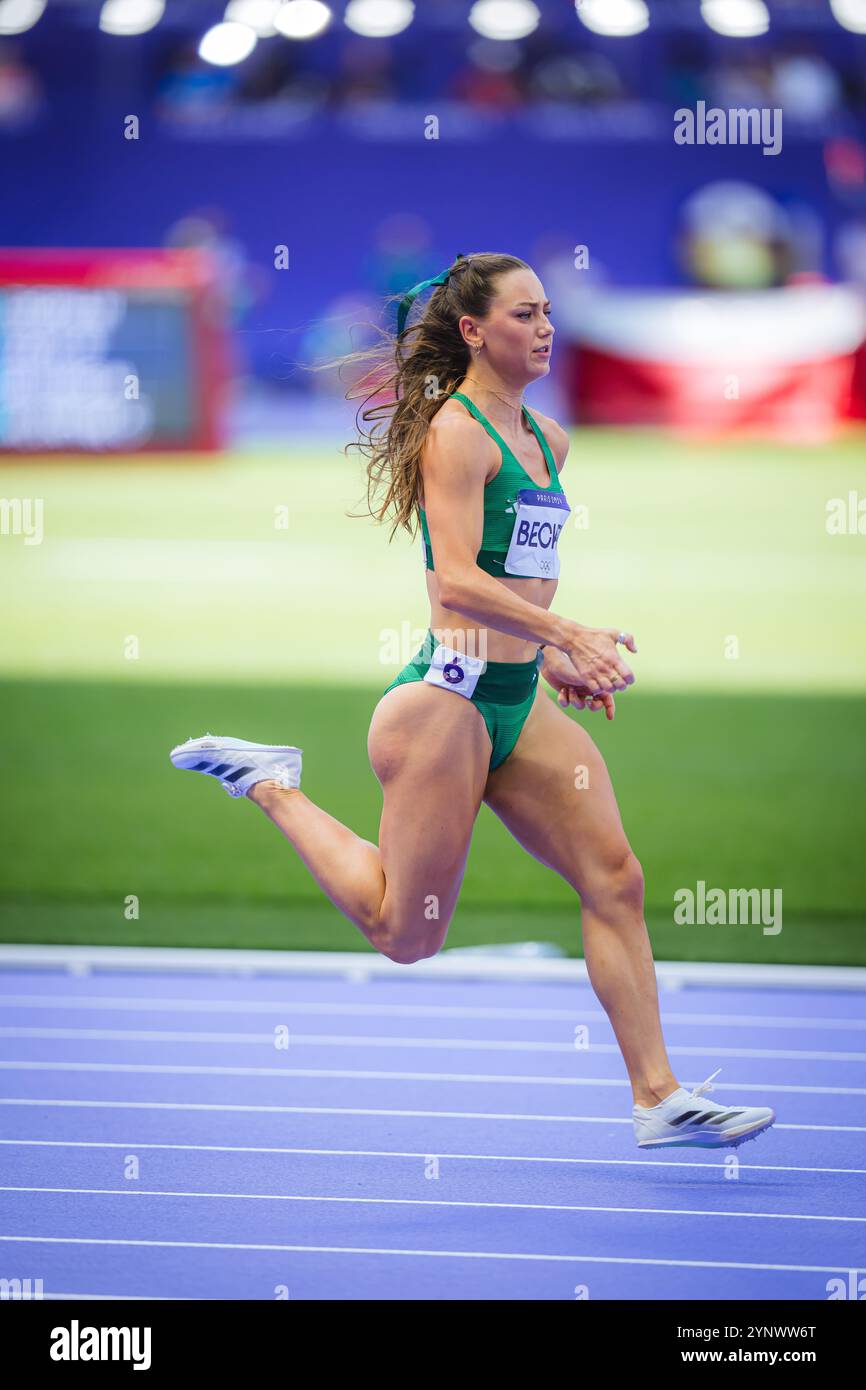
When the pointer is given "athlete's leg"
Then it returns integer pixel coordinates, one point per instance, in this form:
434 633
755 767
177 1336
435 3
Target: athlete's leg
577 831
430 750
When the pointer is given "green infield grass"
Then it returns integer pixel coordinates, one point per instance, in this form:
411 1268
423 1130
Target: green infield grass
235 595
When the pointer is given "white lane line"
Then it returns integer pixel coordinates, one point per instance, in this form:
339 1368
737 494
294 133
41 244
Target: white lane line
361 1040
577 1014
133 1144
332 1073
434 1254
358 1110
428 1202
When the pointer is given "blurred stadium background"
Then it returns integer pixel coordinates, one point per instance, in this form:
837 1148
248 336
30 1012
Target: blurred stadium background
200 202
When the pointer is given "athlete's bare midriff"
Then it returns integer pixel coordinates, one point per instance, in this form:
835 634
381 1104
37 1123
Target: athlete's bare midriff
464 635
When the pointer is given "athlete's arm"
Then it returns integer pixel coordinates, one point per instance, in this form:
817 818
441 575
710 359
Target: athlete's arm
557 669
454 471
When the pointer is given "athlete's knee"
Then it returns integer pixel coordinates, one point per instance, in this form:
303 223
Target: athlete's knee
405 953
630 880
618 879
410 938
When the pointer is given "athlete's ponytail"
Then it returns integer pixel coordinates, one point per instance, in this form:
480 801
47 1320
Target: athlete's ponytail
411 375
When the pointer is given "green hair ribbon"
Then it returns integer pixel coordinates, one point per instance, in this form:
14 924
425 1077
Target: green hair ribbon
406 301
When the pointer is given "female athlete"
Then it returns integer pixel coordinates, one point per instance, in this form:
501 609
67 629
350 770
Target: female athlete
466 720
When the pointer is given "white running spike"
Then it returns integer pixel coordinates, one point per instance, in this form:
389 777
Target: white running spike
685 1120
238 764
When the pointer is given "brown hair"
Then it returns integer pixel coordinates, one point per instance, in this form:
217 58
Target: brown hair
411 377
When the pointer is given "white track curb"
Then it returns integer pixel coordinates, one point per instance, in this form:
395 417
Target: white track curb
455 964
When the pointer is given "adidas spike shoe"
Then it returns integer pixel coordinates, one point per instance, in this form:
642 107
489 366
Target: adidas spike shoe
238 765
685 1120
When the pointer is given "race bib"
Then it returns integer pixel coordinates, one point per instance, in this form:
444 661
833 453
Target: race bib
539 518
455 671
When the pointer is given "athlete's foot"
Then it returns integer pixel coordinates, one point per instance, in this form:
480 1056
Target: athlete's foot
238 765
685 1120
646 1094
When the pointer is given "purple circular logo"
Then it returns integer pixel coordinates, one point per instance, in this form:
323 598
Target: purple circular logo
452 673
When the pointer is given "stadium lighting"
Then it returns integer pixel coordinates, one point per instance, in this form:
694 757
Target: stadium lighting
851 14
130 16
504 19
258 15
738 19
227 43
16 16
618 18
302 19
378 19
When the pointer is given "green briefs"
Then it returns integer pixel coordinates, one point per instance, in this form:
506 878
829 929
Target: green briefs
503 691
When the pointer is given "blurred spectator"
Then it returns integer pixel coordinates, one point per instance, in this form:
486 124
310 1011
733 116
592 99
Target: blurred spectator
239 283
365 74
805 86
189 85
845 163
684 68
21 96
401 254
735 236
744 79
341 329
576 78
278 76
484 82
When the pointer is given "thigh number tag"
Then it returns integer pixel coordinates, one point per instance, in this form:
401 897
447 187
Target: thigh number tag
455 671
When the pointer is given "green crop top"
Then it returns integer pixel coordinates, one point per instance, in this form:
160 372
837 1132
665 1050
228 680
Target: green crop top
510 487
